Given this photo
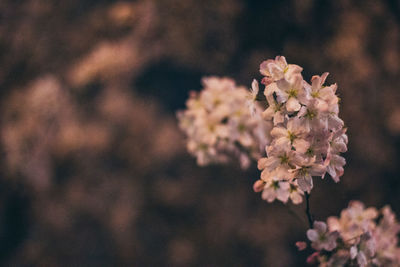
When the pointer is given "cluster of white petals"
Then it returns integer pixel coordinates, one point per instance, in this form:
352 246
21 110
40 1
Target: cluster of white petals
307 135
293 130
219 124
356 238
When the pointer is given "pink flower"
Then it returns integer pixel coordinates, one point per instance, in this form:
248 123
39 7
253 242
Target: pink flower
321 238
306 168
293 135
313 258
324 96
278 69
258 186
276 190
301 245
275 111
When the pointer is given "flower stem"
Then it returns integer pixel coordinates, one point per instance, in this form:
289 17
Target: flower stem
309 216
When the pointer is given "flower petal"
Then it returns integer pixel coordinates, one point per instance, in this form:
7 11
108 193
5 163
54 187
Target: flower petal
312 235
293 104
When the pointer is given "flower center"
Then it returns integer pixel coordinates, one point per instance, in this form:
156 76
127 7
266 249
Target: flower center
291 136
275 184
278 107
203 147
310 114
286 69
303 171
284 159
292 93
310 152
217 102
322 238
293 188
315 94
241 128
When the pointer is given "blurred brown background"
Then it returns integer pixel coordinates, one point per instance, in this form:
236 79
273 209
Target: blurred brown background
93 170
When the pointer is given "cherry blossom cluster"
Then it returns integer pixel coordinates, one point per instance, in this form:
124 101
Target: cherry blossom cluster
359 237
297 124
307 136
219 124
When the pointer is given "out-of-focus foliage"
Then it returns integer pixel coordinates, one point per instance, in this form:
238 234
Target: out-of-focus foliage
93 167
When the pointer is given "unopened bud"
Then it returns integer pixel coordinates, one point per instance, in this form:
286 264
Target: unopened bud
301 245
192 94
258 186
267 81
312 259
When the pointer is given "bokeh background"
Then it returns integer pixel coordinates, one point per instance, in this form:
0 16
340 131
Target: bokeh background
93 169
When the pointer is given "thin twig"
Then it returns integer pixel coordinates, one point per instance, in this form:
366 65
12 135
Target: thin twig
309 216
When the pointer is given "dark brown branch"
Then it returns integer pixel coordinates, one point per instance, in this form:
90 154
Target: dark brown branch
309 216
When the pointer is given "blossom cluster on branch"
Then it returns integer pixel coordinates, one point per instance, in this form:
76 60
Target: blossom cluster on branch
308 135
292 130
219 124
359 237
296 123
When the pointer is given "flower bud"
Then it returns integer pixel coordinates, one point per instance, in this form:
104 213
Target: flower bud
258 186
301 245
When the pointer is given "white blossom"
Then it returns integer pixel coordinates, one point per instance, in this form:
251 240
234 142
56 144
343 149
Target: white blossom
321 238
364 250
219 125
279 69
252 97
358 237
275 112
295 134
276 189
297 126
308 136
